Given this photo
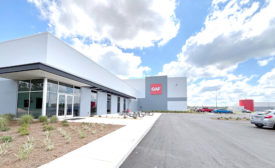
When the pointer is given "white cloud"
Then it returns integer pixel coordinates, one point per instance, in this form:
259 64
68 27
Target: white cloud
124 65
233 32
264 62
127 24
106 26
230 91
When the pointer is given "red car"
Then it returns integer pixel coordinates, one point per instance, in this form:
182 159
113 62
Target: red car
205 109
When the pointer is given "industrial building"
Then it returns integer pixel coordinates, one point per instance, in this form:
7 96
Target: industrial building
262 106
41 75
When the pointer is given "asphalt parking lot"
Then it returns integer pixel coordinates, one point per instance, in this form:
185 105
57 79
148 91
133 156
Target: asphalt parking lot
196 140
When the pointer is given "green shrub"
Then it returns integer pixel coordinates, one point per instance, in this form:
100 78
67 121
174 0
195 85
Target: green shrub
24 129
25 150
9 117
65 123
53 119
4 148
48 128
81 134
43 119
26 119
4 124
134 117
6 139
238 118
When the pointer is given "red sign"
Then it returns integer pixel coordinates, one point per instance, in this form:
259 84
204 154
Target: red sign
155 89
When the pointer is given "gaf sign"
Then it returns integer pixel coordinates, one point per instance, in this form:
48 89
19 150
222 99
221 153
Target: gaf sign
155 89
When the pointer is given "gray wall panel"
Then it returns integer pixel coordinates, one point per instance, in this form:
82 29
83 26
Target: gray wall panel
154 102
8 96
85 102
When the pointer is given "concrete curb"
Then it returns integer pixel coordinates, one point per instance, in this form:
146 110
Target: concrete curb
136 143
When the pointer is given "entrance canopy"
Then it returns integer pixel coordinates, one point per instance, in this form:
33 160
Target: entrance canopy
39 70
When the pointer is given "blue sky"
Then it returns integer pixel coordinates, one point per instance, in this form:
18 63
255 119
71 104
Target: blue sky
222 46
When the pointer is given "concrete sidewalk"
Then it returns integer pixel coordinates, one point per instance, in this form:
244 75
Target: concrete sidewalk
109 151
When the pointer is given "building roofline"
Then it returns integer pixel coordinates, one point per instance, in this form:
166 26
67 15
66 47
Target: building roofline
50 69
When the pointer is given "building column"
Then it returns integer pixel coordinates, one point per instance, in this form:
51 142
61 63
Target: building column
113 104
85 102
101 107
44 99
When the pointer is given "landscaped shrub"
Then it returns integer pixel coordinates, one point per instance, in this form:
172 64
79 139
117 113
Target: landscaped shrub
81 134
43 119
47 141
25 150
48 128
65 135
9 117
4 148
24 129
3 124
65 123
102 127
6 139
53 119
26 119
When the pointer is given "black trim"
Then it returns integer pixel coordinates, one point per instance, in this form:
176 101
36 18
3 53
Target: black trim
47 68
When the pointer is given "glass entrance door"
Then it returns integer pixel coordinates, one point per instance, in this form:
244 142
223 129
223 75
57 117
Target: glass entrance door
65 105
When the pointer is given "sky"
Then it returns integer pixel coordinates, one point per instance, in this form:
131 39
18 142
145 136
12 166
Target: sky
223 47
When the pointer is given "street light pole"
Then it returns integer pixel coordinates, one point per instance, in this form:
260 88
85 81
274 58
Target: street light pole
216 98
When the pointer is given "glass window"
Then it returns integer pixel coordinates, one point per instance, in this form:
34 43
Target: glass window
64 88
124 104
76 91
51 104
118 104
24 85
37 84
22 104
93 102
52 86
76 105
36 104
108 104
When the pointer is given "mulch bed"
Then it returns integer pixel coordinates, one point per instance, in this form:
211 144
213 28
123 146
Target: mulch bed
39 154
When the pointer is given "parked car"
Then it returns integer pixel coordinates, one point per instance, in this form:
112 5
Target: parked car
246 111
205 109
263 119
222 111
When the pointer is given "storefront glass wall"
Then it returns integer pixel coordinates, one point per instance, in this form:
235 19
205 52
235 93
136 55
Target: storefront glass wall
69 96
118 104
93 102
30 94
108 104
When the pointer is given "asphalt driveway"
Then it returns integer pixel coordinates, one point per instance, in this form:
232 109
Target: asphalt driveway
197 141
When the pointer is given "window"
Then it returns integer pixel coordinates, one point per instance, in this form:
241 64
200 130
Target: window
93 102
118 104
35 108
108 104
124 104
64 88
51 104
37 85
23 86
76 105
30 95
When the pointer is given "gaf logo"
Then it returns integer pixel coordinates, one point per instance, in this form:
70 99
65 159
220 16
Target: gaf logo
155 89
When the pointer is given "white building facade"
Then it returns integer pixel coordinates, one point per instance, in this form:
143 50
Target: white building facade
41 75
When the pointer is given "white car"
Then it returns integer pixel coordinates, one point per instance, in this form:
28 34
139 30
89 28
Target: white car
264 119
